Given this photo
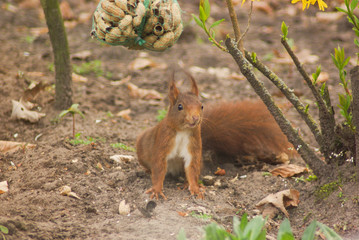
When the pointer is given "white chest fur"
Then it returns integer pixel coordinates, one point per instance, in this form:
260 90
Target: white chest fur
180 157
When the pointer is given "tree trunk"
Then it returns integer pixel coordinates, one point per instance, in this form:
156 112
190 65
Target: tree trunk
354 76
55 23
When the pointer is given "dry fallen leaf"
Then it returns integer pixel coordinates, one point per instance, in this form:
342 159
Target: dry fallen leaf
327 17
263 7
3 187
66 191
125 114
79 78
31 93
122 81
288 170
304 56
280 200
29 4
122 158
67 13
35 32
35 74
220 172
19 111
182 214
83 55
99 166
137 92
123 208
142 63
8 146
236 76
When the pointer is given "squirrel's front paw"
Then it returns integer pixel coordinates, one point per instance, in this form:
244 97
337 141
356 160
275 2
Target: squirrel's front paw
197 190
155 192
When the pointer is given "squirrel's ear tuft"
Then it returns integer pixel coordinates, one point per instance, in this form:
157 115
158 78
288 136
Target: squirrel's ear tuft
194 88
173 92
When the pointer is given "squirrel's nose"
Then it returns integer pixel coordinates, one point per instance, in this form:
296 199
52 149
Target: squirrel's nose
195 119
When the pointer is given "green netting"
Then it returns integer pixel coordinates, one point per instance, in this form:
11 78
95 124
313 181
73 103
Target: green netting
138 24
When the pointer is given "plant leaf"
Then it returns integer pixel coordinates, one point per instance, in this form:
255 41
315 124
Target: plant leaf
216 23
202 15
309 232
4 229
353 4
197 21
207 8
181 235
341 10
284 29
329 233
285 231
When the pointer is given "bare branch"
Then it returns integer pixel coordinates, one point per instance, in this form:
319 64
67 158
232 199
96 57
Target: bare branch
308 155
236 28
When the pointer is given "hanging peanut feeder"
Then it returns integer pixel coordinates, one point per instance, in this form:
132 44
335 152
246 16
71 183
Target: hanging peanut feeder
138 24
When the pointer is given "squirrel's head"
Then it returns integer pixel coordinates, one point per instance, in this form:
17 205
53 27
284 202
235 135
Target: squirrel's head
185 109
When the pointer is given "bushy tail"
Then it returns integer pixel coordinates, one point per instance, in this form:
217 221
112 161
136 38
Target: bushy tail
243 128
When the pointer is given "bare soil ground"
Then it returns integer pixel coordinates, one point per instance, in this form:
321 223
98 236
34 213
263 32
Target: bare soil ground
33 208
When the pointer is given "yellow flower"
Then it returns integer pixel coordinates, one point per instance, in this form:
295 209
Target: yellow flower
306 3
322 5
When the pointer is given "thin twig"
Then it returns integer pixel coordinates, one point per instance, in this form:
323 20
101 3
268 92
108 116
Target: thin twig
248 24
326 116
236 28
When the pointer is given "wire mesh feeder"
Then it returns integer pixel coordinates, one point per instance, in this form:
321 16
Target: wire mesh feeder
138 24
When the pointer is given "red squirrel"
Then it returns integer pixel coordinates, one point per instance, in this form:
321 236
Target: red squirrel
175 144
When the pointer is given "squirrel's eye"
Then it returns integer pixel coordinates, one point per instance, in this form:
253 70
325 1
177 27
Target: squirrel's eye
180 107
202 107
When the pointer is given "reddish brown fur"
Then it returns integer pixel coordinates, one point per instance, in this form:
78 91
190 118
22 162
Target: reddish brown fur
155 144
242 128
232 128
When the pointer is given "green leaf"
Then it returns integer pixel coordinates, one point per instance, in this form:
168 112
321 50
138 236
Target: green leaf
346 61
335 61
207 8
254 228
237 228
356 42
63 113
329 233
181 235
306 108
216 23
244 222
213 33
284 29
75 109
319 70
198 21
309 232
202 15
315 78
341 10
254 57
262 236
4 229
77 135
285 231
353 4
322 89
